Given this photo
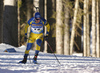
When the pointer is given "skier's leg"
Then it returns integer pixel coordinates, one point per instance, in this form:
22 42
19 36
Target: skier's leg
29 45
35 56
38 44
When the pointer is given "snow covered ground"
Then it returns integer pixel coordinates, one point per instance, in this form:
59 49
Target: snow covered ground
47 62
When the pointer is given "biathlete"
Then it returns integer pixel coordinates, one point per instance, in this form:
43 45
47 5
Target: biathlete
37 24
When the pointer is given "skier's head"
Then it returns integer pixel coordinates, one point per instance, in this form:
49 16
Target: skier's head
37 15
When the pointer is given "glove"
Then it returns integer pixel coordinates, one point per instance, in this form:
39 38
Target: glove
25 38
45 38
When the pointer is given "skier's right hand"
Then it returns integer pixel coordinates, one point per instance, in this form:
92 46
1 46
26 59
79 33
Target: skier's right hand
45 38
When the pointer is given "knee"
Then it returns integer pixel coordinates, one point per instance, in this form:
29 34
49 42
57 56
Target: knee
27 52
29 45
38 42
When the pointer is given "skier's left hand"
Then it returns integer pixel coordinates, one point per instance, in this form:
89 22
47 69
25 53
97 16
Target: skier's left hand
25 39
45 38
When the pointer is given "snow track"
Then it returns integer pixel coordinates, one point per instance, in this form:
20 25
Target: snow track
47 62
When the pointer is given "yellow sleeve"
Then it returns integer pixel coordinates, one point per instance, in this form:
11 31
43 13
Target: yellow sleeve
48 28
26 27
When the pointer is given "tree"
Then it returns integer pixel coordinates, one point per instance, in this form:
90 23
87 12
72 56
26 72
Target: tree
1 21
98 30
88 28
86 51
78 29
59 25
85 28
66 29
51 18
36 4
93 28
28 4
10 25
45 16
19 5
74 26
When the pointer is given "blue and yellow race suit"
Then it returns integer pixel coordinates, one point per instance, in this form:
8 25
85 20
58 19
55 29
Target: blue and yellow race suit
36 33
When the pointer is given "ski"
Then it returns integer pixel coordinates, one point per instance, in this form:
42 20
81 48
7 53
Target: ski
25 63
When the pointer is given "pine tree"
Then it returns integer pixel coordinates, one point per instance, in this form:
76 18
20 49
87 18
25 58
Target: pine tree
98 30
10 25
88 28
66 29
74 26
45 15
19 5
85 28
59 24
28 4
93 28
1 21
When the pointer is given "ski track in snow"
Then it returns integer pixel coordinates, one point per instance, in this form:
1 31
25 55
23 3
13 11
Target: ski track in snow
47 62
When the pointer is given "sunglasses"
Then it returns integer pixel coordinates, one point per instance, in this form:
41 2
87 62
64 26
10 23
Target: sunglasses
37 19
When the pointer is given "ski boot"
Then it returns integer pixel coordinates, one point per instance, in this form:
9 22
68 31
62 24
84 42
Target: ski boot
24 60
35 57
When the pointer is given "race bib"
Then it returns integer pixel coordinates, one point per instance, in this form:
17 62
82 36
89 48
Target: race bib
37 30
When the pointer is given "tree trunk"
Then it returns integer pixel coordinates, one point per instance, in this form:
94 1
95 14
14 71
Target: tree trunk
88 29
66 32
99 27
36 4
98 31
28 9
85 29
93 28
1 21
45 16
74 26
28 4
51 10
10 25
19 2
59 24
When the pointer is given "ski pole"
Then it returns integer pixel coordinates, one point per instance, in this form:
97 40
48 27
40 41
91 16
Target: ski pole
53 53
29 59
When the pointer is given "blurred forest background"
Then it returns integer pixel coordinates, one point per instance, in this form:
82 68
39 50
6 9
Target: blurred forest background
75 24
